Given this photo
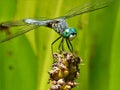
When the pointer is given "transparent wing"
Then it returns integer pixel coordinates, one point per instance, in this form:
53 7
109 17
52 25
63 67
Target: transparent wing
11 24
21 31
87 7
7 33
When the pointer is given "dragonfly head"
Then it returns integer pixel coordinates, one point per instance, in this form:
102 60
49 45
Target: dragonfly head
70 33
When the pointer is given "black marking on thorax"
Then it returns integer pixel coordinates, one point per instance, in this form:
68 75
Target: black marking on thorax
56 25
52 24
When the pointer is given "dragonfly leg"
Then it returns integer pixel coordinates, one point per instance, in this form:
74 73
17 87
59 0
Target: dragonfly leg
54 43
70 47
61 45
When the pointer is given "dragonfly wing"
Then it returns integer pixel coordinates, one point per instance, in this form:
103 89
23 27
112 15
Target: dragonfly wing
21 31
12 23
26 25
87 7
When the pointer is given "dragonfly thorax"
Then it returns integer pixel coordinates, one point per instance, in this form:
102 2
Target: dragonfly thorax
70 33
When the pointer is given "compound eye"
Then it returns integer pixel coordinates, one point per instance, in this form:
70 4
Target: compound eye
66 32
73 34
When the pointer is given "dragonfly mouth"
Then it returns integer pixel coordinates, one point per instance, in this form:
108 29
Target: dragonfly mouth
72 36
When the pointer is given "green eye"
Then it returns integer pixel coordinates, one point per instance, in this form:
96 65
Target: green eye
68 32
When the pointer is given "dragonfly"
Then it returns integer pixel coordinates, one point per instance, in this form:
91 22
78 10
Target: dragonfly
58 24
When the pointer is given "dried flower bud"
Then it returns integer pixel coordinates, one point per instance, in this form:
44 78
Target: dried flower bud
61 82
64 71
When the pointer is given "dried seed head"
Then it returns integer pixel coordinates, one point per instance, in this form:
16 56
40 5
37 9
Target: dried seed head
67 87
61 82
64 71
55 87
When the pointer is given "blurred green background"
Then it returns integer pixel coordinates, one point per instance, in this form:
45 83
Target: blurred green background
26 60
